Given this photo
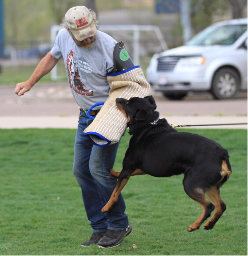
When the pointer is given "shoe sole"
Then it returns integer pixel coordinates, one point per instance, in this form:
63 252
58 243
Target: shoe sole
105 247
90 243
112 246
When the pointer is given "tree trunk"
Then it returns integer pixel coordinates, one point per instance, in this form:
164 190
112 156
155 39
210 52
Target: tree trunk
91 4
237 8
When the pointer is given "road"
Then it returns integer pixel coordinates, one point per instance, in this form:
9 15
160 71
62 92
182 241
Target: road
55 100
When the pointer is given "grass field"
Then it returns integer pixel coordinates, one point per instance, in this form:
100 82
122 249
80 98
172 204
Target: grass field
41 211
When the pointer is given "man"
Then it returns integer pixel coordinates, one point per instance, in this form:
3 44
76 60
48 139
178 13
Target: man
88 58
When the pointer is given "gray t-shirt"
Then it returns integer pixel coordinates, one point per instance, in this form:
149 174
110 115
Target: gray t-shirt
86 68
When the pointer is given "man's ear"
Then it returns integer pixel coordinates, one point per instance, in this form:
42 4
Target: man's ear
140 115
151 100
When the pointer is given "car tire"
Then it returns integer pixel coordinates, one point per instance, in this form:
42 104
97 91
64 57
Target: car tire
226 83
175 96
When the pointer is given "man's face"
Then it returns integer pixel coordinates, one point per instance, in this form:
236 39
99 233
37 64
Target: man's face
86 43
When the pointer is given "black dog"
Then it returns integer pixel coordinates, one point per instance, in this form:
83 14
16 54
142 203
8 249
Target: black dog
159 150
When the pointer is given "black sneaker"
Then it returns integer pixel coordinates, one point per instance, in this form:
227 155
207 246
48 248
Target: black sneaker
95 237
113 238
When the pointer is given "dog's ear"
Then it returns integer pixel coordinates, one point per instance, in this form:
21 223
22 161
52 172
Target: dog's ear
151 100
140 115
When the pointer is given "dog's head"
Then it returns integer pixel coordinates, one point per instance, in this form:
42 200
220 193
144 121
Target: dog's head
138 111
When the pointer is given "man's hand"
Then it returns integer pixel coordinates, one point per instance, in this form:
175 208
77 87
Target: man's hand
21 88
44 66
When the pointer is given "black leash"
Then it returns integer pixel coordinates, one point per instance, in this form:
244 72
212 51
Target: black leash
189 125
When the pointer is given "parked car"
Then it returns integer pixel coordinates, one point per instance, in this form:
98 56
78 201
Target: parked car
215 61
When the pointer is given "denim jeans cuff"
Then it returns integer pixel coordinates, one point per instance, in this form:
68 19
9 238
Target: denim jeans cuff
99 230
117 229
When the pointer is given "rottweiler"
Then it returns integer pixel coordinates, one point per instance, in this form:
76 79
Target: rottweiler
159 150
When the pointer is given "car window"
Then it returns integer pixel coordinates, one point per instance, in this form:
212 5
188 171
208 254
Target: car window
220 35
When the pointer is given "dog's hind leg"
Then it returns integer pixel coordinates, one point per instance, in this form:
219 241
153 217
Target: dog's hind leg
220 207
197 194
214 195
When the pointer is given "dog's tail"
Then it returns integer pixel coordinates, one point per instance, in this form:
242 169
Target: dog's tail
226 169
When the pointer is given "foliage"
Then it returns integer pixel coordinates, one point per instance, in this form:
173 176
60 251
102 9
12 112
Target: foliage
59 8
109 5
41 209
203 16
205 12
238 8
25 20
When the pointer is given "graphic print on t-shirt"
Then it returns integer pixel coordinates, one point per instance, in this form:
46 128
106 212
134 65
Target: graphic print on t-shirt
74 66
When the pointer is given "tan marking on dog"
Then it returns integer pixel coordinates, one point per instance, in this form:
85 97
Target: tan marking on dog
114 197
115 173
203 201
214 195
225 170
199 190
138 172
119 106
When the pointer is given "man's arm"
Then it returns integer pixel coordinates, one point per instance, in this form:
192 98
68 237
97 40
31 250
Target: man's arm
44 67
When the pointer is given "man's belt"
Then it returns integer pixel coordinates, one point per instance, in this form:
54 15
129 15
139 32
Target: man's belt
92 112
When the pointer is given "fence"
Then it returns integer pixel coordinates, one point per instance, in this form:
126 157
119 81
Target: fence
140 41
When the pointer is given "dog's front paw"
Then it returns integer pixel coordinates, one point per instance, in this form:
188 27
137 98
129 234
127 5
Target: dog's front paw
105 209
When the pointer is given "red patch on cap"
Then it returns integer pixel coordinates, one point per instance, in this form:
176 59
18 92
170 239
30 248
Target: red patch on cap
81 22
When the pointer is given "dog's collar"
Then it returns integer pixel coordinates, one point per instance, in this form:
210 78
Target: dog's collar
154 122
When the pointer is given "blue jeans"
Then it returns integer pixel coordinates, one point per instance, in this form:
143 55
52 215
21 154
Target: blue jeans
91 169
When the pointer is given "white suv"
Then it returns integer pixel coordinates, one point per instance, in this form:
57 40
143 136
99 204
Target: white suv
215 60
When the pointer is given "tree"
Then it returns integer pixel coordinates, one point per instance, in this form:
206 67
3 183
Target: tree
238 7
91 4
204 11
60 7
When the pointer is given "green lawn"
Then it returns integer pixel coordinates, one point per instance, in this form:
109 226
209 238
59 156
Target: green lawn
41 211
